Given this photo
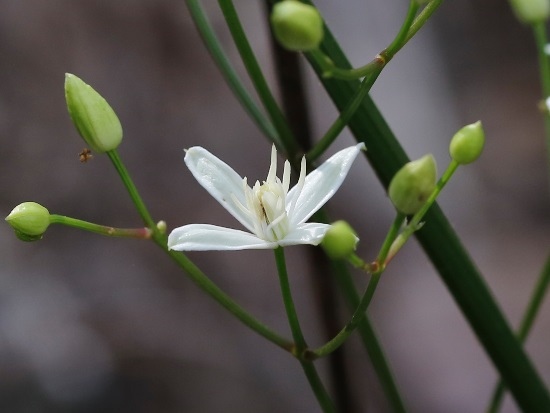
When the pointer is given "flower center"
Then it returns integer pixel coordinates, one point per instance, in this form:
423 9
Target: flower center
266 204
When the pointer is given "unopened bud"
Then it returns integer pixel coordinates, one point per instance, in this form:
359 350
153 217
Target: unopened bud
467 144
339 241
412 185
93 117
531 11
297 26
29 220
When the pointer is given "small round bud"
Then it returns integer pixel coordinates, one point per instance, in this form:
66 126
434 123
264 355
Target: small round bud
467 144
161 226
297 26
412 185
29 220
531 11
339 241
93 117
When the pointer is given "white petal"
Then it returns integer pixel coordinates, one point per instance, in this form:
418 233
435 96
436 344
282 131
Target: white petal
220 180
204 237
321 184
311 233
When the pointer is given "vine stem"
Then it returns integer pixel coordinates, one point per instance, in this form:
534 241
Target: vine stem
309 369
198 277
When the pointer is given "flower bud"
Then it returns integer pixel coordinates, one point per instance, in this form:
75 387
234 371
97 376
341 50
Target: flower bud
467 144
94 119
412 185
531 11
339 241
297 26
29 220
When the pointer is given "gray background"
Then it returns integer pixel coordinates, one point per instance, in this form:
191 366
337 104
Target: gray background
91 324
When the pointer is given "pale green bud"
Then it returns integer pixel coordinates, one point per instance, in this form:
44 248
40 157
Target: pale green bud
412 185
339 241
297 26
467 144
531 11
29 220
94 119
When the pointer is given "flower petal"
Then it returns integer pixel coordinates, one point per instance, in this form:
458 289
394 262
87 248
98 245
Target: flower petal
310 233
205 237
220 180
321 184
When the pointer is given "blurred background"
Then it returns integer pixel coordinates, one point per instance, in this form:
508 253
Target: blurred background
92 324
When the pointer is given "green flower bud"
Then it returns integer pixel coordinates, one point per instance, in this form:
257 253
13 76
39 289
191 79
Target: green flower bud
340 240
297 26
412 185
94 119
531 11
467 144
29 220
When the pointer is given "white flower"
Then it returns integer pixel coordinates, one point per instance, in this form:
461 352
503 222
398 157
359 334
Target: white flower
274 215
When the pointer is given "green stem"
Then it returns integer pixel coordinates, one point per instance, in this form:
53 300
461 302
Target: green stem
531 312
255 72
539 30
441 244
140 233
132 191
376 269
190 268
344 117
370 340
309 369
371 71
402 36
220 58
350 327
422 18
329 69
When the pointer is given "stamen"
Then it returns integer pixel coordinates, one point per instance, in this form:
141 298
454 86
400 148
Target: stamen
299 186
273 167
286 177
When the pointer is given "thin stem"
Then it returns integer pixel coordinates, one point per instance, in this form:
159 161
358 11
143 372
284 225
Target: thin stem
344 117
255 72
422 18
541 40
140 233
376 270
350 327
132 191
370 340
402 36
190 268
309 369
537 298
329 69
220 58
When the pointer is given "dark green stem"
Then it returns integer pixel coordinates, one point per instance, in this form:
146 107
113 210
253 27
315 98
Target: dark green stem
537 298
309 369
442 246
